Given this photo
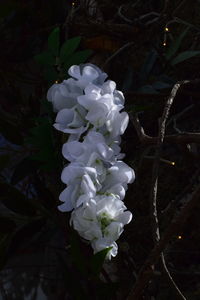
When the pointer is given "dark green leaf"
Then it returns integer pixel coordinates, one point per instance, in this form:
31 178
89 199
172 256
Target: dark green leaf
184 56
98 260
147 89
176 44
77 58
159 85
45 58
69 47
14 200
148 66
128 80
54 41
23 169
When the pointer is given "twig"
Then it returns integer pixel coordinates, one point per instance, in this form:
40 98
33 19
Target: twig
172 282
117 53
122 16
160 139
183 138
154 184
174 228
178 8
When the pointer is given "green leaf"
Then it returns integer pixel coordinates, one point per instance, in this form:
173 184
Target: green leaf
14 200
159 85
184 56
23 169
69 47
147 89
128 80
45 58
176 44
4 160
98 260
77 58
54 41
148 66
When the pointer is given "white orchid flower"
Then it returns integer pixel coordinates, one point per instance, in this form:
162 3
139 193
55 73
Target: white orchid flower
101 221
87 73
71 120
64 94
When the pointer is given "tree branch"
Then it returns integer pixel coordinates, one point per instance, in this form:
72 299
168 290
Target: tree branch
174 228
154 185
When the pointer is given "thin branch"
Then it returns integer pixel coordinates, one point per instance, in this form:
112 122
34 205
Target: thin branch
160 139
183 138
154 184
117 53
172 282
174 228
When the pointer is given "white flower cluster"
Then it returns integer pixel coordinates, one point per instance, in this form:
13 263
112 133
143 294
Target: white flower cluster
89 110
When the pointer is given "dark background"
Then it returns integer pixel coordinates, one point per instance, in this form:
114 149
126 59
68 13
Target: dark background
129 40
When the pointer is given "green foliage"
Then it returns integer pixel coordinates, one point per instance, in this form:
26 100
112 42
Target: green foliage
58 59
174 47
98 259
77 58
184 56
54 41
69 47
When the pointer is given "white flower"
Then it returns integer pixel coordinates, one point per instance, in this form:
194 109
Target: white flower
64 94
87 73
82 185
94 142
118 176
90 111
109 87
97 105
104 243
71 120
117 122
101 221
